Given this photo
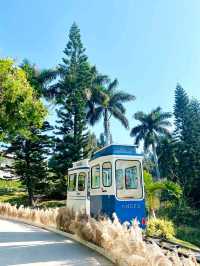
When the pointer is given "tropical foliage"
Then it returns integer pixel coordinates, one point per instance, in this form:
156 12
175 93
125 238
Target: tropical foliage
107 102
154 189
152 127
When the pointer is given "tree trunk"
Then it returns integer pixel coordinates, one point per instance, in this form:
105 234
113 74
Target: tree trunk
156 162
152 213
30 192
107 127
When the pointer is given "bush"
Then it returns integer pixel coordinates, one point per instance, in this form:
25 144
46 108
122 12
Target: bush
180 213
160 228
190 234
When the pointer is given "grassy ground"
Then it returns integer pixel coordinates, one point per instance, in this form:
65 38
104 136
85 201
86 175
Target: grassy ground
14 193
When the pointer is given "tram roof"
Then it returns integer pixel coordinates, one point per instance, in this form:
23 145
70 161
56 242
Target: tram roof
82 164
116 149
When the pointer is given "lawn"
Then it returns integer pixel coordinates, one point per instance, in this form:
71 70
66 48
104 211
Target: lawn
13 192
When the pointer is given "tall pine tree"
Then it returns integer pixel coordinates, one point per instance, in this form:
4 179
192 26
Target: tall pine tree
180 110
31 160
187 135
70 94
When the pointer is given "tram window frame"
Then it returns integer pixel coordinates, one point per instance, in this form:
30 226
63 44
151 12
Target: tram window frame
75 182
102 173
82 190
97 165
141 181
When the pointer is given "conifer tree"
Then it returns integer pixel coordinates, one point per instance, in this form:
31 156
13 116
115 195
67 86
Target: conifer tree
70 94
31 160
180 109
187 135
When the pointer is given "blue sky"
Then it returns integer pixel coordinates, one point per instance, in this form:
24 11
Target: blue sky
150 46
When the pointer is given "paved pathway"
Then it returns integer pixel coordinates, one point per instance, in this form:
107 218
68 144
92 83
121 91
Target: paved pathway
24 245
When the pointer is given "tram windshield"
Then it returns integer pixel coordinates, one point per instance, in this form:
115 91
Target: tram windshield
129 179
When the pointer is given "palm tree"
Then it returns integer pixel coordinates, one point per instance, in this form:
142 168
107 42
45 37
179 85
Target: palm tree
106 101
38 79
152 126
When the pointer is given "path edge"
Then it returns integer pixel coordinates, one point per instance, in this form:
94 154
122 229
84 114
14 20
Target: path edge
74 237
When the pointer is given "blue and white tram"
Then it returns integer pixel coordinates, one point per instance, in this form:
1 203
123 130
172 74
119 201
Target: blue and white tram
77 192
117 183
111 182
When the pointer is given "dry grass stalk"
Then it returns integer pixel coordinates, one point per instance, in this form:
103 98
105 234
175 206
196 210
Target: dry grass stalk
123 241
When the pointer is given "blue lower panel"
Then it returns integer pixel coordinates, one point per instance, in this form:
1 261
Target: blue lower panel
126 210
102 205
130 210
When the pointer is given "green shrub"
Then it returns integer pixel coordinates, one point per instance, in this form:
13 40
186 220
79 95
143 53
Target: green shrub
160 228
180 213
190 234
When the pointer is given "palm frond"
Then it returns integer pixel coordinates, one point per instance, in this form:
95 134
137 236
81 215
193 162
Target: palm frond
52 91
140 116
163 131
139 137
112 85
120 116
47 75
136 130
121 97
164 123
121 107
94 115
162 116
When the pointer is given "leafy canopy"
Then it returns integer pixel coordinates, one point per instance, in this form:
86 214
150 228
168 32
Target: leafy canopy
19 106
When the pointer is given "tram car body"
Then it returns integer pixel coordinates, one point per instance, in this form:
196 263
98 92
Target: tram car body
78 191
113 183
117 184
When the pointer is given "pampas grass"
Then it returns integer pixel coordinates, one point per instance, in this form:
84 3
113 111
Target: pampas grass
123 241
46 217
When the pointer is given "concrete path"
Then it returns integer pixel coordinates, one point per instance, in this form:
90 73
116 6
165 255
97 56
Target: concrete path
24 245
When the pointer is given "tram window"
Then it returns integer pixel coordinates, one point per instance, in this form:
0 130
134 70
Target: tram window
107 174
128 179
81 181
72 182
119 179
95 175
131 177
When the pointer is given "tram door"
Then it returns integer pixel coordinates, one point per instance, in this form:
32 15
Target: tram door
102 188
107 188
77 191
